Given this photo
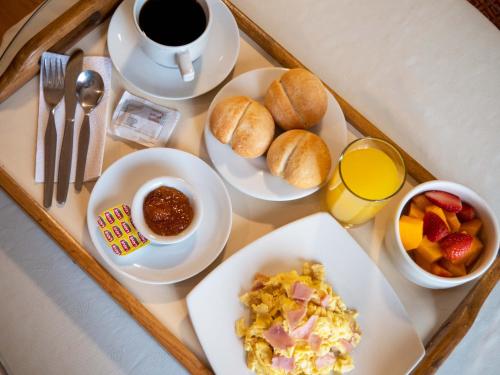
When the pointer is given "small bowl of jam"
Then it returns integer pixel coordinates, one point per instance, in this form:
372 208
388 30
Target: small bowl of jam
166 210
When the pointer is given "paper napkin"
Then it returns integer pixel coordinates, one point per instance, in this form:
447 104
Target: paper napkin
98 117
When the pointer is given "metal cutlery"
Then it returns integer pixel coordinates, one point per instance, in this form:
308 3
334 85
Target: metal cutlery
73 68
53 90
89 91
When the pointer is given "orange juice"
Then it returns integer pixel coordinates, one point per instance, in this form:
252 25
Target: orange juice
363 181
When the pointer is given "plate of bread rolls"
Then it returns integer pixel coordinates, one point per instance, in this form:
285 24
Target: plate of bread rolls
275 133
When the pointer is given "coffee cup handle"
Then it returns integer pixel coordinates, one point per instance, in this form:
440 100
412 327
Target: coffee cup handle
185 66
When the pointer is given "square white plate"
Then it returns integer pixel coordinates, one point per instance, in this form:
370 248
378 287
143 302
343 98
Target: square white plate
389 343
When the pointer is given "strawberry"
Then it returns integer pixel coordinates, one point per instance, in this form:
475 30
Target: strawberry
434 227
456 246
467 213
446 201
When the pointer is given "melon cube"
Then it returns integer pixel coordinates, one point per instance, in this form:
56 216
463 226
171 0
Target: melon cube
421 202
438 211
472 227
411 231
437 270
452 220
416 212
421 261
455 269
429 250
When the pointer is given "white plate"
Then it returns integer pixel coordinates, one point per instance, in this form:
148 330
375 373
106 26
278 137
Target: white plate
251 176
166 83
166 264
389 343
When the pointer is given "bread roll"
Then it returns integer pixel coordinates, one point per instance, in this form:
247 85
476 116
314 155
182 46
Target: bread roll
244 124
300 157
297 100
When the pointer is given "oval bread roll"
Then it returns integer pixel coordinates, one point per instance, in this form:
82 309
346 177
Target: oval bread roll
300 157
297 100
244 124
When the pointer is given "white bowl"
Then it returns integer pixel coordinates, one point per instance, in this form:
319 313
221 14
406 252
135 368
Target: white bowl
411 270
138 212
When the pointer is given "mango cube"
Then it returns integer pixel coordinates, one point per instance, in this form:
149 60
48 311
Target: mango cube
421 202
474 252
472 227
429 250
452 220
438 211
416 212
411 231
455 269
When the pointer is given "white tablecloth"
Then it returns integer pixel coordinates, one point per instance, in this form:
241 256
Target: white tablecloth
55 320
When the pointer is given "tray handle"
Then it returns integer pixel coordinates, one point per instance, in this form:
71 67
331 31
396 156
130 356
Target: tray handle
57 36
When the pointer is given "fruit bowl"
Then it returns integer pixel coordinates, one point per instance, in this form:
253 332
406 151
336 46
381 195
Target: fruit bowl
416 273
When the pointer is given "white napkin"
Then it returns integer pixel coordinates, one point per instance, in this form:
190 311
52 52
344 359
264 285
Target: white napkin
98 117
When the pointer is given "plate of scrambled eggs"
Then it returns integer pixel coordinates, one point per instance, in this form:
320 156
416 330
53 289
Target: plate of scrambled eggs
303 299
297 325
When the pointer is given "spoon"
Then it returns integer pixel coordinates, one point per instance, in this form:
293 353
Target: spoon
89 92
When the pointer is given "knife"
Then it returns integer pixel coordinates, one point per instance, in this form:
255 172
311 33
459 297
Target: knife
73 68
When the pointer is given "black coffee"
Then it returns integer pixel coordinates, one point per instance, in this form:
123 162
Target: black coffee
172 22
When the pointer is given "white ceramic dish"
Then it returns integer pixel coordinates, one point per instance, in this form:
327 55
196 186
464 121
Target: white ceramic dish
163 264
137 211
251 176
214 306
158 81
413 271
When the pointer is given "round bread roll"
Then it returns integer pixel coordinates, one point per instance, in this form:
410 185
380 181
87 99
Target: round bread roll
300 157
297 100
244 124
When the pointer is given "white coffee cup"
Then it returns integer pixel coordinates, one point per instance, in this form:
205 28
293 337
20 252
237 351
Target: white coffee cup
181 57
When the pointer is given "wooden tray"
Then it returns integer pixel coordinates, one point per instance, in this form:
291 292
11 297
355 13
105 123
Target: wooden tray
88 14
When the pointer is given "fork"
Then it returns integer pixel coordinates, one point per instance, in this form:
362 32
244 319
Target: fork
53 90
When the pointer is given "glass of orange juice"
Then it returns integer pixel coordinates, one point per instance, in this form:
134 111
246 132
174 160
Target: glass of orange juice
369 172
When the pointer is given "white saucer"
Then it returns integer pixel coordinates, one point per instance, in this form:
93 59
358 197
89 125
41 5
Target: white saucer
251 176
166 83
157 264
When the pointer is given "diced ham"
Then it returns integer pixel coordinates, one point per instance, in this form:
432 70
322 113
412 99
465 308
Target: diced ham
301 291
278 338
325 360
325 301
283 363
314 342
305 329
347 345
295 316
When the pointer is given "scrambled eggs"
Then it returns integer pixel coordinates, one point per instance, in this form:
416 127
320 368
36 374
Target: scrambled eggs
298 325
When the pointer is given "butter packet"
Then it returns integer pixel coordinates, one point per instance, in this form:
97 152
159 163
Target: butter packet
115 225
139 120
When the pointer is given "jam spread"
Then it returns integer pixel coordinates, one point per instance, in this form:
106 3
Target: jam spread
167 211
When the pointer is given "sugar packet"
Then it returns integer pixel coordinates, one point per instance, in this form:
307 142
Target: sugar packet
117 228
139 120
